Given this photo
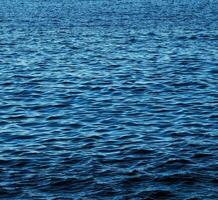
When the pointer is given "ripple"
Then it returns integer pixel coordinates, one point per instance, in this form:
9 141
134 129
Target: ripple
108 100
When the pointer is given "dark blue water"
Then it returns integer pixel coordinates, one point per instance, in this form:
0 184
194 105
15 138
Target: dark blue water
108 100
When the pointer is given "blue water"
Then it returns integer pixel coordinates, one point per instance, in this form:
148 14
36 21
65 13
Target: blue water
108 100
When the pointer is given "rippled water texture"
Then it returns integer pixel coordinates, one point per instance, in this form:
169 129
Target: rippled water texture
108 100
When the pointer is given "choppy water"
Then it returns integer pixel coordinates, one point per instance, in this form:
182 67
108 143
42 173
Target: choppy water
108 100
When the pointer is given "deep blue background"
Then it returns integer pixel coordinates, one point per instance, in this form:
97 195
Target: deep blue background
108 100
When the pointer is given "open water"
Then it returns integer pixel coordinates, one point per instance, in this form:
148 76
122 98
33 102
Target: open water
108 100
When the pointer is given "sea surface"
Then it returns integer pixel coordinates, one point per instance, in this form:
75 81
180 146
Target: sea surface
108 99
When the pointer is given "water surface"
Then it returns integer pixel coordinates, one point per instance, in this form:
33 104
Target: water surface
108 100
